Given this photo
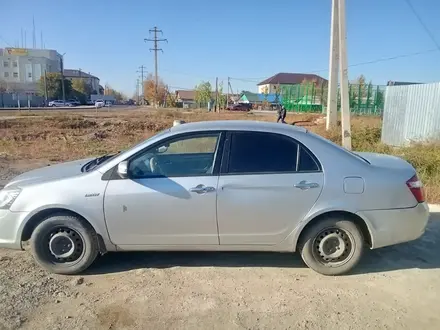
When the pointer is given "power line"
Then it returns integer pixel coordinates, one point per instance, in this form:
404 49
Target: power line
190 74
379 60
384 59
180 88
395 57
4 40
425 27
156 40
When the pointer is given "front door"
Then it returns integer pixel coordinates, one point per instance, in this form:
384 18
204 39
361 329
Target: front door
270 184
169 197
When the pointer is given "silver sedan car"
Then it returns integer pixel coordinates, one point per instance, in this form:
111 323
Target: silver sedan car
217 186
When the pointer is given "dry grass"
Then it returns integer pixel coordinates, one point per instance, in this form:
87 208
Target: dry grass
66 136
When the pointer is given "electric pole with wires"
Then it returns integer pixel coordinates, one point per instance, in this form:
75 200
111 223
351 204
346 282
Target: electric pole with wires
338 62
156 41
142 77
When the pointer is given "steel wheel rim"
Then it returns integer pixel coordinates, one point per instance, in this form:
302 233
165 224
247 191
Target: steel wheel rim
333 247
65 245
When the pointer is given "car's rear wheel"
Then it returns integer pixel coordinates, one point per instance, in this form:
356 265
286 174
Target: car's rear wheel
332 246
64 244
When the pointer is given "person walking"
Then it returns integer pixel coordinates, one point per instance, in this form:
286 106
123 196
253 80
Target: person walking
282 114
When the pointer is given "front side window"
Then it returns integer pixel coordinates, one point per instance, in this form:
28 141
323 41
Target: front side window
255 152
185 156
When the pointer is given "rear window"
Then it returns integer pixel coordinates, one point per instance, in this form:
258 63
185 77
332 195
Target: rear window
306 162
338 146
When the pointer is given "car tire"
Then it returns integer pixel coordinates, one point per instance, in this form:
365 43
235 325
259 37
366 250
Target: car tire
64 244
332 246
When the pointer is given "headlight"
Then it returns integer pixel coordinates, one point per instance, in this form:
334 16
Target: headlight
7 197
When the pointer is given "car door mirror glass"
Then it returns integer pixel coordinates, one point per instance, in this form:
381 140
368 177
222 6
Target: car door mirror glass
123 169
162 149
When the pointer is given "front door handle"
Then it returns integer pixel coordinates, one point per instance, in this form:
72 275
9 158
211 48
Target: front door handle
304 185
201 189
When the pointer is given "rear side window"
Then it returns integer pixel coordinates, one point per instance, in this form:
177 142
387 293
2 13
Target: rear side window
257 152
307 163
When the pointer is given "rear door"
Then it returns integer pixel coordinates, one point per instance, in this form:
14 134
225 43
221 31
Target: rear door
268 183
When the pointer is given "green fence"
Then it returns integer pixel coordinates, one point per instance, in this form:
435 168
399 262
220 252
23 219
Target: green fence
365 99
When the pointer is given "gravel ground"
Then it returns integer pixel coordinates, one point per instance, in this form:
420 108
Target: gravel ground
393 288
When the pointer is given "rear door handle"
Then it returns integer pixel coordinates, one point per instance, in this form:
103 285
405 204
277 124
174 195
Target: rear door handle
304 185
201 189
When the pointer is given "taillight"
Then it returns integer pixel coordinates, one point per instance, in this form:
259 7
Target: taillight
416 187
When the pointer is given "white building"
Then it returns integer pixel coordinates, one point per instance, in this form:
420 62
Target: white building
89 79
22 68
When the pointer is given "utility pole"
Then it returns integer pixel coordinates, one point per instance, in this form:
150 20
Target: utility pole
216 95
166 96
230 86
142 72
227 94
62 78
332 98
338 62
156 40
137 91
343 71
34 39
45 87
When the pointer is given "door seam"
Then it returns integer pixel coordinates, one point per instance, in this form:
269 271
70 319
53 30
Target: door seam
216 209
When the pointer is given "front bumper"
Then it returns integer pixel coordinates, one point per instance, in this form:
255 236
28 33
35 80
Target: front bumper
389 227
11 228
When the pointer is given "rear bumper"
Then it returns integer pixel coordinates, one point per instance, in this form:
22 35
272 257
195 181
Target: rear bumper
389 227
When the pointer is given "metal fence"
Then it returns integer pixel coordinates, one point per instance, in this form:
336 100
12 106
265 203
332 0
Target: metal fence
411 114
365 99
16 100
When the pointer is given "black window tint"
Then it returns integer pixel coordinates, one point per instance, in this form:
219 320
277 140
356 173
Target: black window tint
306 161
253 152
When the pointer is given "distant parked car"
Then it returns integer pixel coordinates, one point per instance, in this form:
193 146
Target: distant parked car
108 103
73 102
217 186
239 107
57 103
99 103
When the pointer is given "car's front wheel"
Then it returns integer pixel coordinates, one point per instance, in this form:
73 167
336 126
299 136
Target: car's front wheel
64 244
332 246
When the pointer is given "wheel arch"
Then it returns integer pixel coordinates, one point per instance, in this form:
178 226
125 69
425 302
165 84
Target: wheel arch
359 221
41 215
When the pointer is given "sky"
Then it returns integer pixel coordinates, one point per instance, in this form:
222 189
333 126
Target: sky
242 39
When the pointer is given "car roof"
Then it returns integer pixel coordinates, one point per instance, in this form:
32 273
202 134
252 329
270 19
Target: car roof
236 125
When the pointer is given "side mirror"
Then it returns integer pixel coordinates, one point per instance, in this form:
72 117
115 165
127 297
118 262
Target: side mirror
162 149
123 169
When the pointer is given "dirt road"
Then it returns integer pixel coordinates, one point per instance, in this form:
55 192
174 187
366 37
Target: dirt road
393 288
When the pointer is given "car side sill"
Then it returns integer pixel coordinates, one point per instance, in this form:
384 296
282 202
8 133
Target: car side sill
248 248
